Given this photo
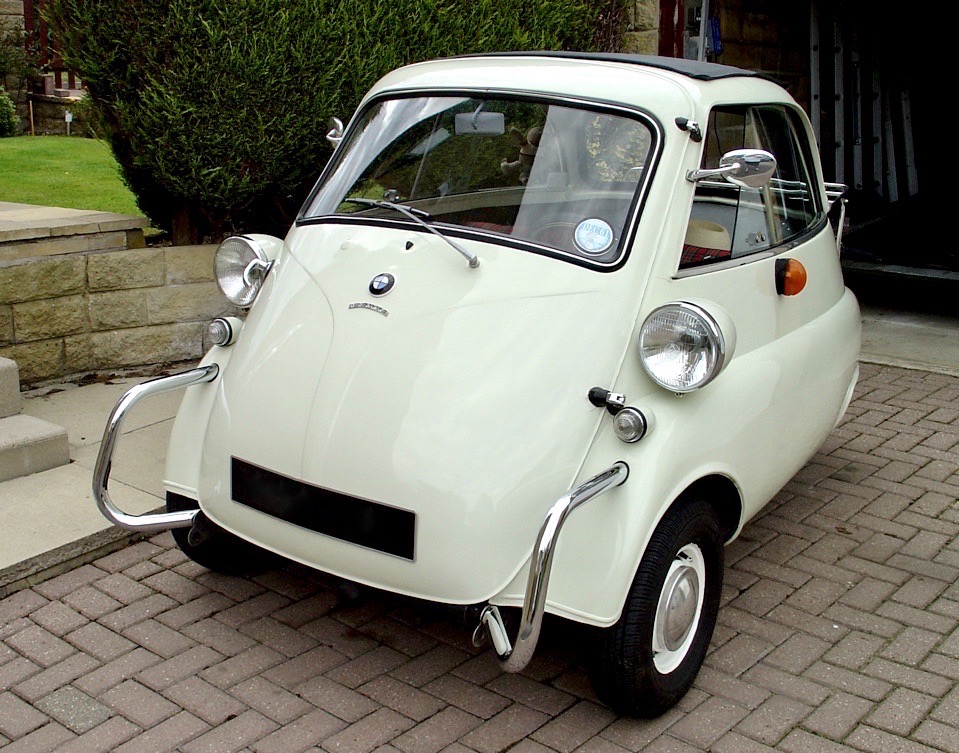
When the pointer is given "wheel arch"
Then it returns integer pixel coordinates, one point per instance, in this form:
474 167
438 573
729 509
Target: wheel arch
722 494
591 580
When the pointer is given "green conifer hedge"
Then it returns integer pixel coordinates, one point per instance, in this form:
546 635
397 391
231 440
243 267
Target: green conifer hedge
216 110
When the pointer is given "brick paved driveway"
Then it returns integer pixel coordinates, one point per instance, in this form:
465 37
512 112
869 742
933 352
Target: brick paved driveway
839 632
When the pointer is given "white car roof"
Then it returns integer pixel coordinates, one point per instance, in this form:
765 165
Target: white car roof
669 87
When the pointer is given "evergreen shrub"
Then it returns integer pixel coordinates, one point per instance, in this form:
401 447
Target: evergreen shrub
216 110
8 115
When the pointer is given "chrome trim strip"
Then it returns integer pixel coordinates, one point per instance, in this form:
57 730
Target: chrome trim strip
150 522
514 656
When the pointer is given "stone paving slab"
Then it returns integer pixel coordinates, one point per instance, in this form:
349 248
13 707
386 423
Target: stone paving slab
839 631
19 222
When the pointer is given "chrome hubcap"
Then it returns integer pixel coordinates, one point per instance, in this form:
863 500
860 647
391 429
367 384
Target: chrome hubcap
678 609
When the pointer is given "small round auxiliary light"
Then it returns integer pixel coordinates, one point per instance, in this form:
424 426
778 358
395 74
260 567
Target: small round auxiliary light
224 330
630 425
790 276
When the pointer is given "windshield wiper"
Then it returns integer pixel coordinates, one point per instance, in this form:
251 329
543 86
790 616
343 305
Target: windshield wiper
420 218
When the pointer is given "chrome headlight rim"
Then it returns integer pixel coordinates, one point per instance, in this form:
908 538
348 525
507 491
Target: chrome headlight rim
713 332
240 279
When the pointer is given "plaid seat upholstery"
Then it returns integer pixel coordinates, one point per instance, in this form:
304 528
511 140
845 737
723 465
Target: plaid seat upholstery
695 255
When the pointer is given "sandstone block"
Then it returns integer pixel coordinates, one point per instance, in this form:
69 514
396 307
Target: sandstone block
136 239
189 264
39 360
135 347
70 244
6 325
54 317
200 301
643 15
107 241
121 270
11 8
69 225
641 42
41 278
78 354
118 309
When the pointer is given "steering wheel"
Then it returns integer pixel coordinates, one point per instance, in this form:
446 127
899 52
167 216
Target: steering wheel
556 233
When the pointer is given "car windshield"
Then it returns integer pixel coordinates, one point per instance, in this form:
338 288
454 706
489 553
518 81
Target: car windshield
560 179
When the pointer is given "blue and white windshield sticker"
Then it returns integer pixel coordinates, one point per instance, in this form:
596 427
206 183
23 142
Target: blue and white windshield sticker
593 236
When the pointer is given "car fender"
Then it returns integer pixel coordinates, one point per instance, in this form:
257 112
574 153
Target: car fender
182 472
736 428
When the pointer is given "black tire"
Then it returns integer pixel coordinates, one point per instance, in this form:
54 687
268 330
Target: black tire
215 548
628 674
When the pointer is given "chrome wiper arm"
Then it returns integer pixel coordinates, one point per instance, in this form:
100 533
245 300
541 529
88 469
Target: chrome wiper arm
383 204
420 218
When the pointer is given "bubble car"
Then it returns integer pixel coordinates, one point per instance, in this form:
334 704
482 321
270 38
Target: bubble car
548 331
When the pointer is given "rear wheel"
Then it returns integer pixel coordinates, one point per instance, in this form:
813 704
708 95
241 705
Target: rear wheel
645 663
216 549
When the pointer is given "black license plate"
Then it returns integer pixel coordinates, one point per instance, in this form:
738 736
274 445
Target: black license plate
358 521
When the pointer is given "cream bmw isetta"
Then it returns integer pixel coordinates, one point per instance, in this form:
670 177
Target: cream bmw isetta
549 330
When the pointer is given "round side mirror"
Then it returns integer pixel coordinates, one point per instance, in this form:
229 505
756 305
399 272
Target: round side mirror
749 168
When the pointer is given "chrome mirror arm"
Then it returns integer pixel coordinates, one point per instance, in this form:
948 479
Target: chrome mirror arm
335 134
694 176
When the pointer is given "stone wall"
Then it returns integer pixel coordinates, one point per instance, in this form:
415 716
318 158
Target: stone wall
49 115
642 32
11 14
69 314
11 17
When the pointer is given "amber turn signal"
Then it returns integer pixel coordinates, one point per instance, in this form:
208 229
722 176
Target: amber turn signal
790 276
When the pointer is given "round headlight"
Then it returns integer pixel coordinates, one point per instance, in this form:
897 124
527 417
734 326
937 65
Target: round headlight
240 266
681 347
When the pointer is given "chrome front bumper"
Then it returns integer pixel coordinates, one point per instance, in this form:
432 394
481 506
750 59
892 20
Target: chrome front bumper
111 436
515 655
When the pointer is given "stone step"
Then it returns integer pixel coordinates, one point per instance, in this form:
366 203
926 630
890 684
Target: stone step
30 445
9 388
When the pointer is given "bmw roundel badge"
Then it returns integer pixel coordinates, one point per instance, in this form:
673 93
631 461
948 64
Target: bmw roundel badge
382 284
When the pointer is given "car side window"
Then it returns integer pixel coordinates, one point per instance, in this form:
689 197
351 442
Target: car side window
728 221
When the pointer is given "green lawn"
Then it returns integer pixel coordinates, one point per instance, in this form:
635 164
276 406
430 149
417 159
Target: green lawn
58 171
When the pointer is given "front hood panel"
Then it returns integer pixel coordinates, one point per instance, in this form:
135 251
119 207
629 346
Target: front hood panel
460 397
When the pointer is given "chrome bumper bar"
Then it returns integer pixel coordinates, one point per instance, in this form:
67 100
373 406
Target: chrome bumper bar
111 435
515 655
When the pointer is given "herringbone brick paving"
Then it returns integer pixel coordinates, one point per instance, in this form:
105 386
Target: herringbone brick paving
839 631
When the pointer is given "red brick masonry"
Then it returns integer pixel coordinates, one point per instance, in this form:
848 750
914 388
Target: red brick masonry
840 631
